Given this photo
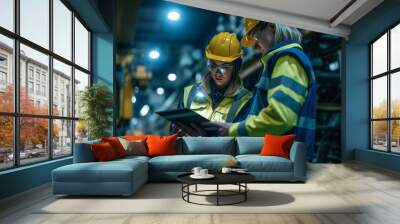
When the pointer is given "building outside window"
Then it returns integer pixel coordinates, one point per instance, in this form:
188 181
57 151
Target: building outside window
37 74
3 72
43 77
30 87
38 89
30 72
43 90
3 78
55 99
3 60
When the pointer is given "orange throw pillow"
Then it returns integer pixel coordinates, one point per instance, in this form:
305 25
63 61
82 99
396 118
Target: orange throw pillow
116 145
161 145
277 145
103 151
135 137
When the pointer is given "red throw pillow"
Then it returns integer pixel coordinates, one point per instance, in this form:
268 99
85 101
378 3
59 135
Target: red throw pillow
277 145
116 145
103 151
161 145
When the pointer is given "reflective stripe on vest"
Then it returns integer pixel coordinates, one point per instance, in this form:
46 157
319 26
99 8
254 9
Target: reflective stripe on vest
234 106
192 94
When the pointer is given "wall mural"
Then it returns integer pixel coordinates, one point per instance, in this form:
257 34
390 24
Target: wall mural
248 77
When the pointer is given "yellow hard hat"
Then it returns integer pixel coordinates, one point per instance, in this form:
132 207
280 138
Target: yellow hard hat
249 24
224 47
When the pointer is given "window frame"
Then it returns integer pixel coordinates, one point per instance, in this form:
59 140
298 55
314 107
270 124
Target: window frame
16 114
388 74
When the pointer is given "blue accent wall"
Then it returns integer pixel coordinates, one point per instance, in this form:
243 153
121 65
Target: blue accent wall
103 58
104 64
381 159
356 85
24 178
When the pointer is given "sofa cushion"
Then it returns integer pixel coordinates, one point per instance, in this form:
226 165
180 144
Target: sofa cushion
206 145
111 171
257 163
249 145
133 158
185 163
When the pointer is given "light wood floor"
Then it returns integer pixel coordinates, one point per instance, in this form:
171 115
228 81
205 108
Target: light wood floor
377 188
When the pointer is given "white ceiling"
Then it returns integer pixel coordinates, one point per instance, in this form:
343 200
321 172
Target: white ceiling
320 9
314 15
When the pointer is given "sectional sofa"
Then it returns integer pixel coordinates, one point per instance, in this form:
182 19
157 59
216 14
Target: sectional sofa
125 176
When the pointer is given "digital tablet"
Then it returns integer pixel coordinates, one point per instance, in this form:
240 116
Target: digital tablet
187 116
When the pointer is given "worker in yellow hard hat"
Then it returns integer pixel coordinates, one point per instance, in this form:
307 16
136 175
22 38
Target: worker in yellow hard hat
249 25
284 98
220 96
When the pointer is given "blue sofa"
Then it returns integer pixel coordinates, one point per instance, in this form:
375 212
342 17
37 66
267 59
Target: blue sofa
125 176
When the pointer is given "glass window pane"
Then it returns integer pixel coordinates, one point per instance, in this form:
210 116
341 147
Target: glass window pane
7 14
81 45
395 94
62 29
81 81
33 139
6 142
62 89
379 97
62 138
395 47
379 135
379 56
395 136
81 131
6 74
35 21
34 72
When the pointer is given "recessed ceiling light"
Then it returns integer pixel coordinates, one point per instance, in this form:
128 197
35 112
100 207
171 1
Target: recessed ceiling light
334 66
160 91
174 16
145 109
154 54
171 77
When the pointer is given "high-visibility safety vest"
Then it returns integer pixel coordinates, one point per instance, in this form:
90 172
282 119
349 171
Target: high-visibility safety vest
196 98
284 99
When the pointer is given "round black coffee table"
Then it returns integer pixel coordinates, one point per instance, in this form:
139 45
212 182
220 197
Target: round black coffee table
238 179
